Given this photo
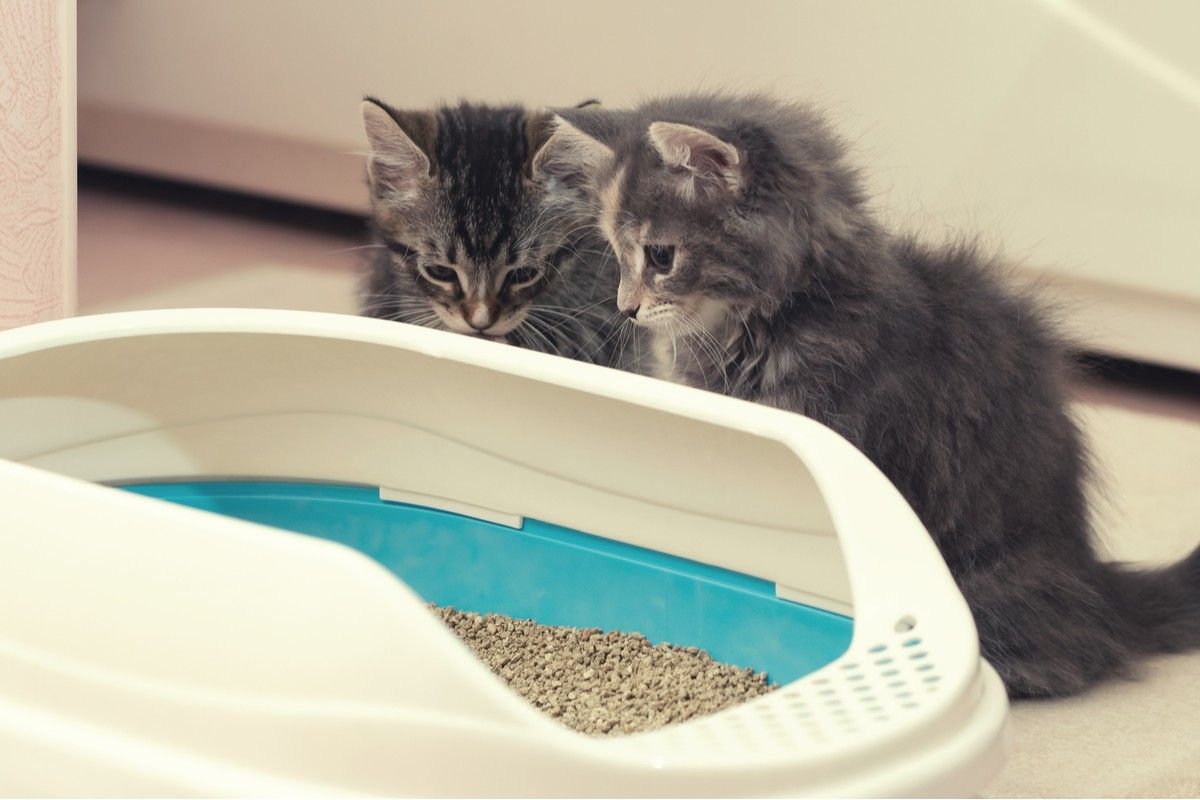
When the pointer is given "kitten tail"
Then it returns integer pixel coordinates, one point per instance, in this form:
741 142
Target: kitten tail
1162 604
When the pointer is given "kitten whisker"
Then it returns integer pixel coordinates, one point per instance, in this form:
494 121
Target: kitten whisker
354 249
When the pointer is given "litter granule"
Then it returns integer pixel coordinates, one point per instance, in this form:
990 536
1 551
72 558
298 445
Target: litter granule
603 683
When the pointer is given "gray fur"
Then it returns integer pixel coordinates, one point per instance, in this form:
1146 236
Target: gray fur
787 291
454 188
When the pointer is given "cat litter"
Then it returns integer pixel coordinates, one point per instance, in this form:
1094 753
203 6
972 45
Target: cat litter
603 683
247 614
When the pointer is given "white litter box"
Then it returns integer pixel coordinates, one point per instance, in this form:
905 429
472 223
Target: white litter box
360 468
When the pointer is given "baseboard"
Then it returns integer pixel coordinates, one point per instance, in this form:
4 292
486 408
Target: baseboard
300 170
1125 323
217 200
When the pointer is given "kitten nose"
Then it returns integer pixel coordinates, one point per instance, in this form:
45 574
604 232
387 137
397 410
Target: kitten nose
479 316
632 312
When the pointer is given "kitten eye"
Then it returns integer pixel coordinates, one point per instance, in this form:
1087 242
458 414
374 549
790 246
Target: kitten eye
440 273
660 257
521 276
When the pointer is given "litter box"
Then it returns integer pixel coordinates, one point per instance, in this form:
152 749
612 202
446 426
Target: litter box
219 530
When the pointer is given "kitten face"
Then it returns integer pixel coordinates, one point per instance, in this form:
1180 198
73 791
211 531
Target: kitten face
664 202
445 278
472 236
675 267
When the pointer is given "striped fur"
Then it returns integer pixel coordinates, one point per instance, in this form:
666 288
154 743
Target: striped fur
453 189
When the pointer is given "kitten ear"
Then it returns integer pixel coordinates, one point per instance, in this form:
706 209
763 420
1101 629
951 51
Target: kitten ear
711 164
397 165
538 127
570 156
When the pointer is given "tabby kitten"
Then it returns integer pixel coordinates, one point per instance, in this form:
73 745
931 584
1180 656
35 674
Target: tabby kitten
469 239
748 250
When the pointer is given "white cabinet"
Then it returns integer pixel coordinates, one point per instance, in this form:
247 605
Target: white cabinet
1065 132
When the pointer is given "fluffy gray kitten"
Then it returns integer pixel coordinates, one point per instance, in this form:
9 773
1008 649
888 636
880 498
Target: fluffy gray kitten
748 250
469 239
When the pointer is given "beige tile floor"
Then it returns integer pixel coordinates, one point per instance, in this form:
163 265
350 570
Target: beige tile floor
138 253
1139 738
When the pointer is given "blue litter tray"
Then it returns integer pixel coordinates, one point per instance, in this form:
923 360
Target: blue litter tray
544 572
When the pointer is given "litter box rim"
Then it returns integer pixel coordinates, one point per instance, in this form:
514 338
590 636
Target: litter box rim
844 478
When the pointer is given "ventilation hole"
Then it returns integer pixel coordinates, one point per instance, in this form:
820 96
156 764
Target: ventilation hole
850 665
887 673
854 677
833 702
874 710
913 642
910 705
920 655
827 692
820 681
905 624
924 667
933 679
879 648
902 695
895 684
865 688
882 661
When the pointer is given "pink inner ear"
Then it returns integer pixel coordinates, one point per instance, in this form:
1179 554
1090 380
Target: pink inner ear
709 160
570 155
706 156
